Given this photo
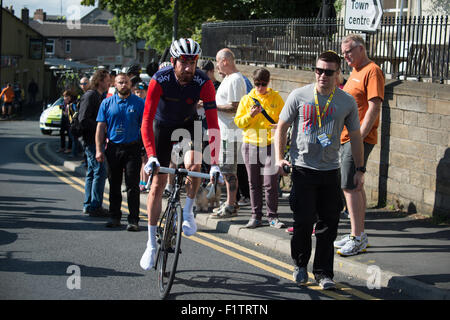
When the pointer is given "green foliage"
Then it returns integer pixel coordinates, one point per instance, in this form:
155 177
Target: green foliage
338 5
152 20
68 80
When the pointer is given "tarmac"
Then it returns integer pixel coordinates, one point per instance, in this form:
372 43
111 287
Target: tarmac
409 252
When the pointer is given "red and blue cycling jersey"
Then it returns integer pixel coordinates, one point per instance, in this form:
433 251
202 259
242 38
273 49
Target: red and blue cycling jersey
174 105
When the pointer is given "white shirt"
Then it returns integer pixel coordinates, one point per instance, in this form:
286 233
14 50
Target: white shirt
232 89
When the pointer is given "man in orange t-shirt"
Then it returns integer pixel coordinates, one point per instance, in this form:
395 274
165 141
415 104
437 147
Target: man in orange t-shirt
8 94
366 85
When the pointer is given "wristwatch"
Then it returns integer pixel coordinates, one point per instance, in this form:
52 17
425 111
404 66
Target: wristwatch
362 169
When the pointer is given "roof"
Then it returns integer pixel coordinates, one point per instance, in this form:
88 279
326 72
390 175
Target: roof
56 29
66 63
97 16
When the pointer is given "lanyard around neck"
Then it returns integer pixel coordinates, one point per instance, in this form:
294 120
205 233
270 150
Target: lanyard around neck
316 99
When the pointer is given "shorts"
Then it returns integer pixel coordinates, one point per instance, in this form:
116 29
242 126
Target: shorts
348 165
167 136
230 156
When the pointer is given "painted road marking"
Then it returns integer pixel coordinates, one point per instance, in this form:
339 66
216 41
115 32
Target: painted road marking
32 151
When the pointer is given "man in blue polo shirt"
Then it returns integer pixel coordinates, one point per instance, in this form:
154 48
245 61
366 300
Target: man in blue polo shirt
119 119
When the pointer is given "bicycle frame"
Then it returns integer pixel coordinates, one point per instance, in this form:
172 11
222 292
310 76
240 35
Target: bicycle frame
169 230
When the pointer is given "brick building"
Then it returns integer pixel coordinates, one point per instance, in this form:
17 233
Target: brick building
90 43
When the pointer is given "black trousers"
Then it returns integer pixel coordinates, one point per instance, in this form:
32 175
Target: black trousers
244 188
124 158
65 125
315 196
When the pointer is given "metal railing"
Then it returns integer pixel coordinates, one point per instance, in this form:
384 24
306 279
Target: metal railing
414 47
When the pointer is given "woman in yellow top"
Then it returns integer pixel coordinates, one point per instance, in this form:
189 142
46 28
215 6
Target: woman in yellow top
257 116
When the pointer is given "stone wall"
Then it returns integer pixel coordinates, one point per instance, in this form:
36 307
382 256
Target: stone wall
409 168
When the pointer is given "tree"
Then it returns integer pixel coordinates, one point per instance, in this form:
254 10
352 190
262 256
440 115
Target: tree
152 20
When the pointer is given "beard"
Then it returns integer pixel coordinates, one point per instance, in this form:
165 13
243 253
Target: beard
185 77
124 91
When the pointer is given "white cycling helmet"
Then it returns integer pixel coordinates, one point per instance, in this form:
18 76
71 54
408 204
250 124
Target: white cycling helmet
183 47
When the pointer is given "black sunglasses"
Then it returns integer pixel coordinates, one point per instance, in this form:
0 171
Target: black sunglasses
261 84
328 72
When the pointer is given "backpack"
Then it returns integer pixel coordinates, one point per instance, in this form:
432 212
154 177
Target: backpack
75 126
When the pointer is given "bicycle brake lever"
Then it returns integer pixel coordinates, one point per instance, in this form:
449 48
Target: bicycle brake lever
150 178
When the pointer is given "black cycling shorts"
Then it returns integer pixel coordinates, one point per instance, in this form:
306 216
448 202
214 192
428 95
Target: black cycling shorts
167 136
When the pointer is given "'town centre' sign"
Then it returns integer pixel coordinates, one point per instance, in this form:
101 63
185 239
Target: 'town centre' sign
363 15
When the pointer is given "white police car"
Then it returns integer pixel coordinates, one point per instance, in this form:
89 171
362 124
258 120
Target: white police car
50 119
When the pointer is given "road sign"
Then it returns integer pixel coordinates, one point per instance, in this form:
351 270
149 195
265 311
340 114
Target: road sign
363 15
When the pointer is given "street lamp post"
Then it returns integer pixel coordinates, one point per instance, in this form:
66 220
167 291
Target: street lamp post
175 21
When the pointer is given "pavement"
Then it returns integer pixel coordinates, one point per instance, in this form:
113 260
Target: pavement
407 253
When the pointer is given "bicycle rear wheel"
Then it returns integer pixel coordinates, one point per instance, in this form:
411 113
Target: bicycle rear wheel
169 250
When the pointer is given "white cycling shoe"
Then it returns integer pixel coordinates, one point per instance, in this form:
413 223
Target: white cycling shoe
148 258
189 225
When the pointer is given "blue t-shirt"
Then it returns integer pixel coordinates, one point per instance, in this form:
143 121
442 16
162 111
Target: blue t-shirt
178 104
123 118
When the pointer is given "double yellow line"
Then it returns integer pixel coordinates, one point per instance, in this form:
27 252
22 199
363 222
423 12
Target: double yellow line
229 248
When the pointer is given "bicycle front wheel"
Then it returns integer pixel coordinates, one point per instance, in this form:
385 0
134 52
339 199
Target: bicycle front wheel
169 250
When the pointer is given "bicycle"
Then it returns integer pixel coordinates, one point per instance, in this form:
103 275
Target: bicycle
169 229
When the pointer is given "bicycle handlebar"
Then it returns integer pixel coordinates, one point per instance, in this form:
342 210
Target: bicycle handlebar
189 173
193 174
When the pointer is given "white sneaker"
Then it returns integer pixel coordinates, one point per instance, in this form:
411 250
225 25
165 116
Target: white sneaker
148 258
352 247
189 225
341 242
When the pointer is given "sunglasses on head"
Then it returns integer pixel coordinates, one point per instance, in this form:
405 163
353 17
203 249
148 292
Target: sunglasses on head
328 72
261 84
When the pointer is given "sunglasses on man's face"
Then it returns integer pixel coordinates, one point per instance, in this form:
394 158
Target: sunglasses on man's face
186 57
261 84
328 72
83 83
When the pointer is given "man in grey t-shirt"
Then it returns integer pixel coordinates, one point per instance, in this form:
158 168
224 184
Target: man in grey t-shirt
318 113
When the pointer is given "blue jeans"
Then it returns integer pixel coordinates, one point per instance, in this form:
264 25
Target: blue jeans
94 184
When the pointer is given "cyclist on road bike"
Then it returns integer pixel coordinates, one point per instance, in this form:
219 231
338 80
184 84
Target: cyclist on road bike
172 96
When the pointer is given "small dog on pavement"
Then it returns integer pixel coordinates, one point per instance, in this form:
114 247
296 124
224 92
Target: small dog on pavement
206 199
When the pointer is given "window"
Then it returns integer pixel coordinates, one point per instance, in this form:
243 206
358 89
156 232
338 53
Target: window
50 46
68 46
36 49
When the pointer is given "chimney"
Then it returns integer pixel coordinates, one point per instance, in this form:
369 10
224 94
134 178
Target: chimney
39 14
26 15
11 9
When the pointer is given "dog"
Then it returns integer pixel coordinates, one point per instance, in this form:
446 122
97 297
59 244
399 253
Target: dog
206 199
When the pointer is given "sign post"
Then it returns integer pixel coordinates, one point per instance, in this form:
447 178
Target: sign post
363 15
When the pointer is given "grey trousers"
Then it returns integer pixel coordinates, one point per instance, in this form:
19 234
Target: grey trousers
262 177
